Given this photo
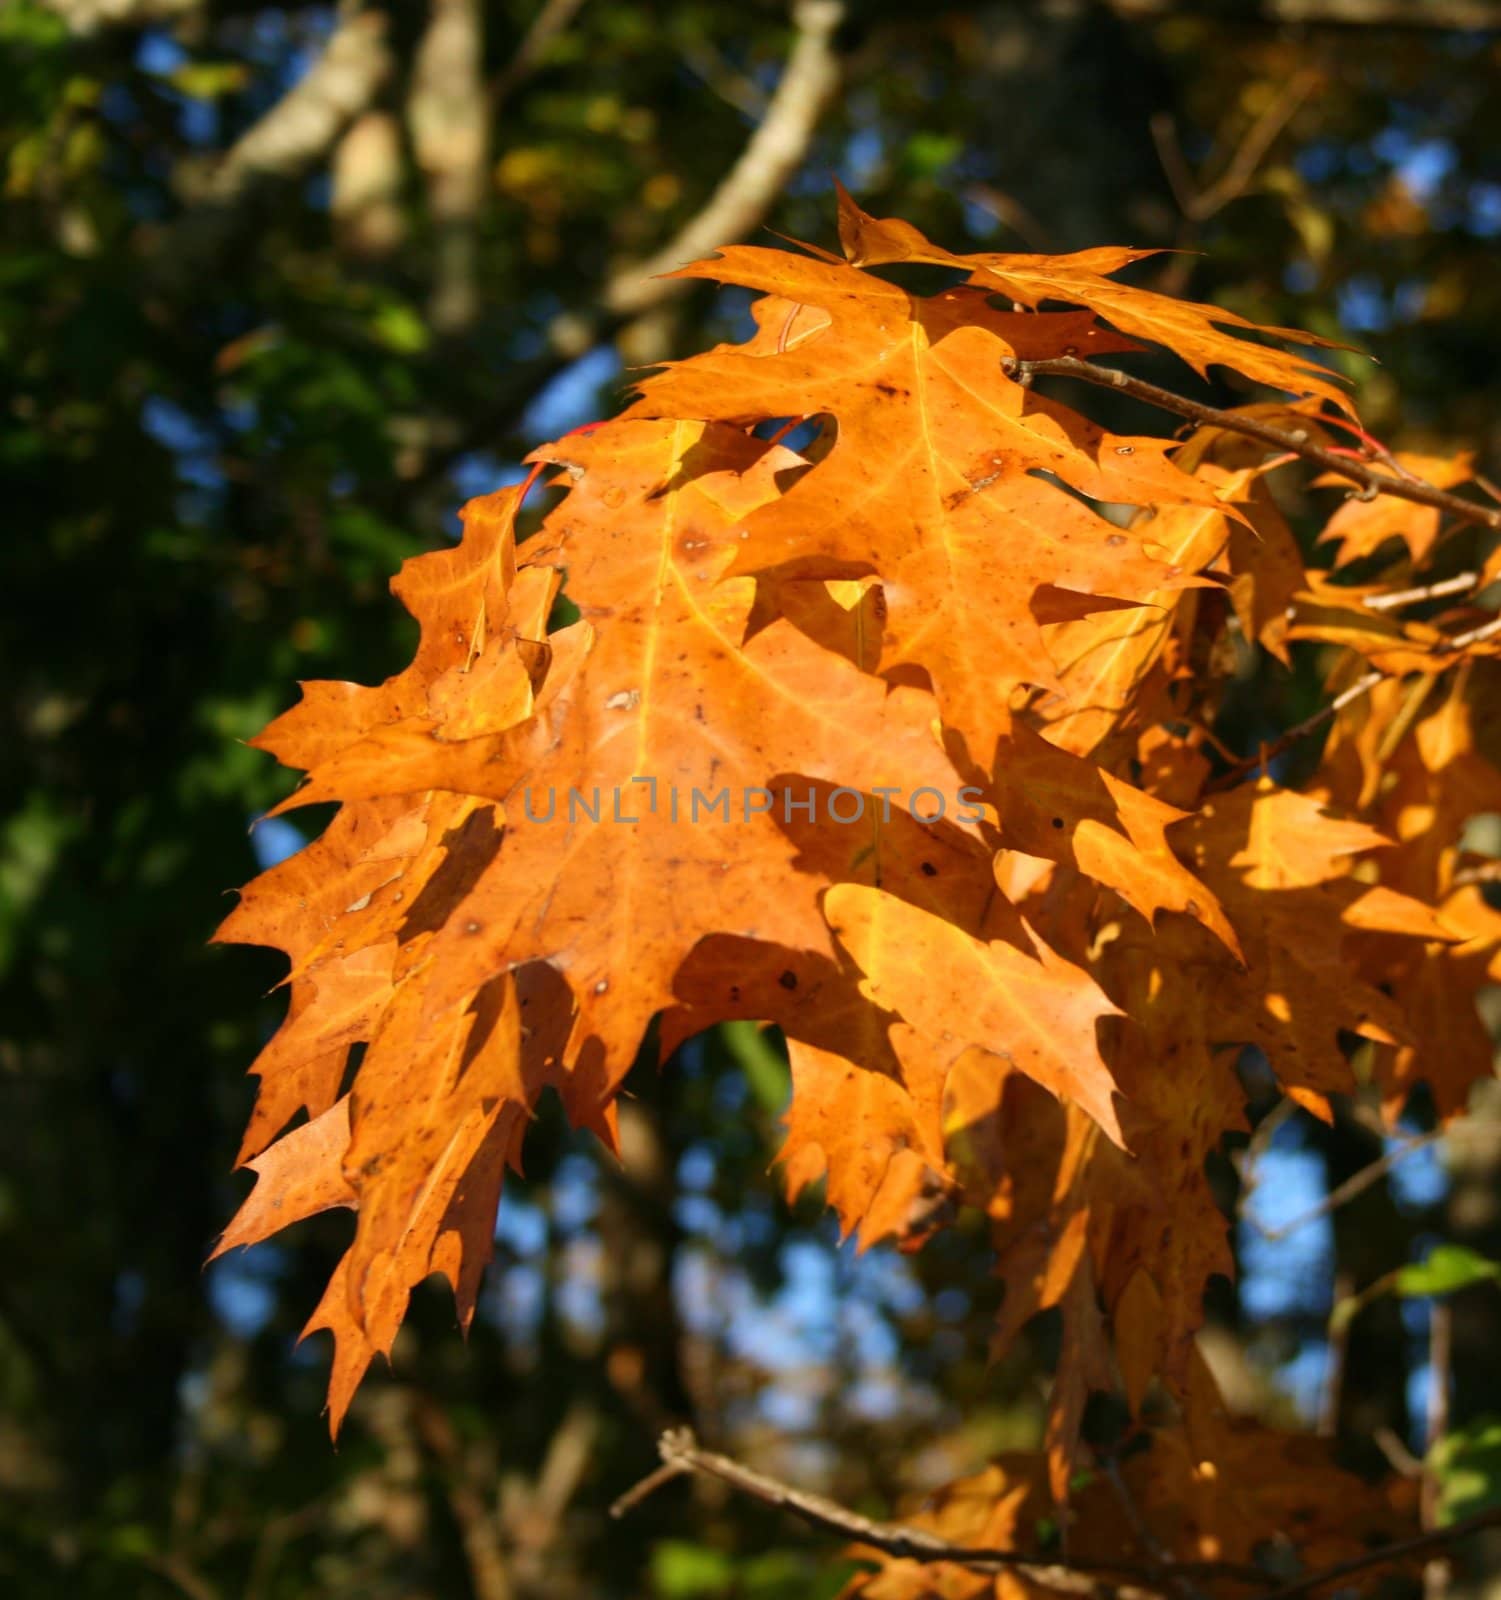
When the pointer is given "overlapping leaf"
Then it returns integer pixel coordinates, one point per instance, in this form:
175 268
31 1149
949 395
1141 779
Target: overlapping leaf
714 795
932 480
1363 524
1410 757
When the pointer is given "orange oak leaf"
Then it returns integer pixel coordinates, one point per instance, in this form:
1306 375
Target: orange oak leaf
1036 1012
1104 662
1195 333
901 743
930 479
1264 1489
1281 867
1067 809
1411 757
622 779
866 1109
1267 569
1362 526
299 1176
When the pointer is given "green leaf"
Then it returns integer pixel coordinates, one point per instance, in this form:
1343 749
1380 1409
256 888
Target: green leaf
1467 1465
399 328
1343 1313
683 1571
209 80
26 23
765 1067
928 154
1449 1267
793 1575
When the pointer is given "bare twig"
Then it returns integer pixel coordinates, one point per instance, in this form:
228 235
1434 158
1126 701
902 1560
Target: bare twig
177 1572
296 133
1289 441
549 22
1462 641
1009 210
1269 752
735 88
533 1516
1333 1387
1440 1359
1358 1183
272 1535
1175 165
1458 584
656 1479
1199 203
488 1575
808 85
1403 1550
1401 1460
1257 1146
681 1454
1143 1534
301 127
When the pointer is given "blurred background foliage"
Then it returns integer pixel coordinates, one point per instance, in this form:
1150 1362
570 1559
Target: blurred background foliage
279 288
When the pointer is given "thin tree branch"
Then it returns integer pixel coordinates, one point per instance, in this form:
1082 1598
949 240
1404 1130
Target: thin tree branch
1458 584
1269 752
1401 1460
808 86
288 141
533 1515
1007 209
1440 1358
1462 641
488 1575
1200 202
1403 1550
302 126
656 1479
177 1572
272 1535
733 87
1259 139
1481 872
681 1454
549 22
85 17
1290 441
1358 1183
1162 1562
1333 1387
1175 167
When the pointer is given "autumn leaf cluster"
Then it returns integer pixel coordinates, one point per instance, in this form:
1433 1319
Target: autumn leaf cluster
903 740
